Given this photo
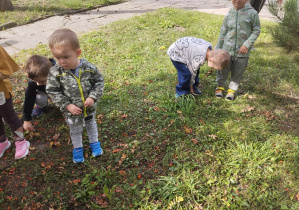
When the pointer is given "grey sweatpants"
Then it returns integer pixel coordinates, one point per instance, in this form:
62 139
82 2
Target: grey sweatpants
41 99
237 68
76 128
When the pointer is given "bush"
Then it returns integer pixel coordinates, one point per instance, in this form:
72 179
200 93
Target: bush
286 34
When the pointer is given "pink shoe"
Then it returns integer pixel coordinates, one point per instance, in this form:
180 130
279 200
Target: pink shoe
4 146
22 149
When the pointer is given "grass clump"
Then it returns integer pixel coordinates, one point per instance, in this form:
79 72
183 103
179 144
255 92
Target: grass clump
159 153
29 10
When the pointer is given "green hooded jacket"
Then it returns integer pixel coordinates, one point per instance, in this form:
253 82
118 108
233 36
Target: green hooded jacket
240 27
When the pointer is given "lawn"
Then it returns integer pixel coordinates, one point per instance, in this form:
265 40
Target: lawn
159 152
26 11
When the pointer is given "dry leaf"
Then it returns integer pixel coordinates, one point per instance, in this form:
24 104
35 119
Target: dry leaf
124 116
123 157
55 137
118 190
248 109
212 136
194 141
188 129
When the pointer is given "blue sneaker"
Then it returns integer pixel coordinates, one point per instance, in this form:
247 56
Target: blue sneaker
96 149
38 111
196 91
78 155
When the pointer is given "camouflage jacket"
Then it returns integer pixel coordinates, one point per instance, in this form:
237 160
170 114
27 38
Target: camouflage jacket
64 88
240 27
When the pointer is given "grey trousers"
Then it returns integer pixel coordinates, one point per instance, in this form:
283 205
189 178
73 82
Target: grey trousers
237 68
76 128
41 99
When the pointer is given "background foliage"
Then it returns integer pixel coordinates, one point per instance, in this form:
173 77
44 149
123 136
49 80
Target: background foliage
26 11
286 33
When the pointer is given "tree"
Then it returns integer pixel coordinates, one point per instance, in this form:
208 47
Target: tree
286 33
5 5
257 4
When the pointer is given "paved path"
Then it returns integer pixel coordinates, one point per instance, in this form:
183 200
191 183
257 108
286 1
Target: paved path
30 35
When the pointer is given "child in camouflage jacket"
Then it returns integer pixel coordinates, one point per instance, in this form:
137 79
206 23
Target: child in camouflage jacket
74 85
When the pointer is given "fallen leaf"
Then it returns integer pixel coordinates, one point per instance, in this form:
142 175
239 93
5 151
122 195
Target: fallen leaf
55 137
124 116
194 141
188 129
123 157
118 190
248 109
212 136
52 144
116 150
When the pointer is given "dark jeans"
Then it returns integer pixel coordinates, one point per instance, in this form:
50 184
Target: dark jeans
184 77
8 113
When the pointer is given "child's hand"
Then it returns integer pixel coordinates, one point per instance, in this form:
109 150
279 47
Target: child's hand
243 50
73 109
89 102
27 126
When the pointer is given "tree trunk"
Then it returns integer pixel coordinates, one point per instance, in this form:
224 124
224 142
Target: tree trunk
256 4
5 5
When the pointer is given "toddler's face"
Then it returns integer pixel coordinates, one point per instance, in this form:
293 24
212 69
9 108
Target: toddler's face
239 4
66 57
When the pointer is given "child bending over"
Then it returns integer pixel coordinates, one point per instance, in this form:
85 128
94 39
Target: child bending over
188 54
37 69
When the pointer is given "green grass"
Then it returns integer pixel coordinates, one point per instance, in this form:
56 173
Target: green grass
29 10
159 153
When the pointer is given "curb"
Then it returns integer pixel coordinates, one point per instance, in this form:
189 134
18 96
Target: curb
7 25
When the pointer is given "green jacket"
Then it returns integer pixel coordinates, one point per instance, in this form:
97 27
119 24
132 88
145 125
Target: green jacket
240 27
64 88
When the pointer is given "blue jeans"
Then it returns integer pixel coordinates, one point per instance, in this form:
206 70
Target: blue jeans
184 77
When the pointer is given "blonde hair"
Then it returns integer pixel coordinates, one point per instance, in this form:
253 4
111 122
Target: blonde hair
64 37
37 66
221 58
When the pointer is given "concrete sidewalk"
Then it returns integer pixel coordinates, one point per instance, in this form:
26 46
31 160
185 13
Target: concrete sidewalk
29 36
